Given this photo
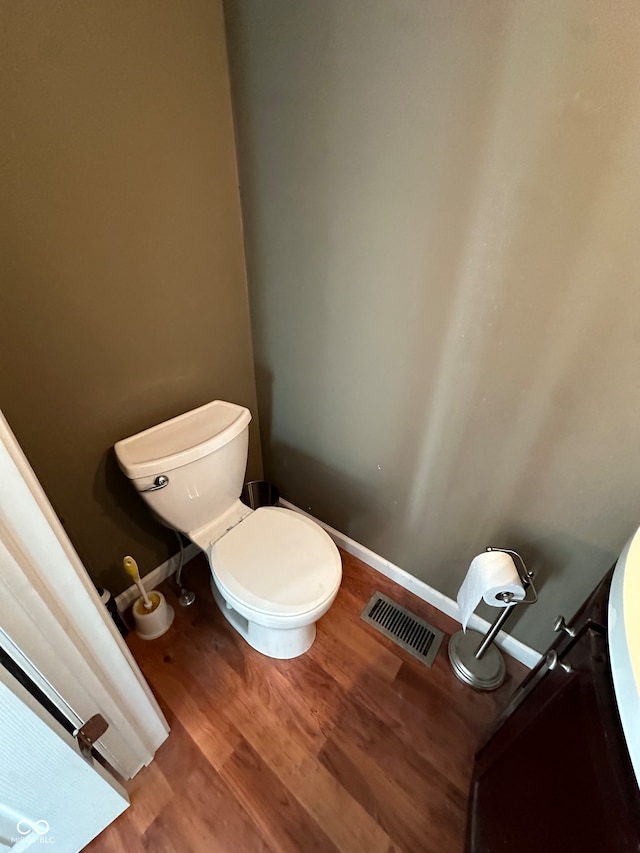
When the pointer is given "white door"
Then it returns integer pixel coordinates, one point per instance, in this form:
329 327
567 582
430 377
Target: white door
49 794
54 626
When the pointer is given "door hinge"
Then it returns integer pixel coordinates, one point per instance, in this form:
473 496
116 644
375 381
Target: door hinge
89 733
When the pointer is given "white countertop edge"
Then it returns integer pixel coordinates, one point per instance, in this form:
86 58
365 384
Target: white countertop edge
624 644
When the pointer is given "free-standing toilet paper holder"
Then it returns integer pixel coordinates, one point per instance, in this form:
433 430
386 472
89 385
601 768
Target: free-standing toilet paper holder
474 659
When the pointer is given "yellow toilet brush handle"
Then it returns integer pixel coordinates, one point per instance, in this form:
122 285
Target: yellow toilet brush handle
131 568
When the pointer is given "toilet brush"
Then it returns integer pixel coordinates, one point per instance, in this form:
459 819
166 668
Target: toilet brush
131 568
152 615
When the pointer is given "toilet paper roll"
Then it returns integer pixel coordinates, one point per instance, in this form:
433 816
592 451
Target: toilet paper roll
488 575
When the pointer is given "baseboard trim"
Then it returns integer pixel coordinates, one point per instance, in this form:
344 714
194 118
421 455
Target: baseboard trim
155 577
518 650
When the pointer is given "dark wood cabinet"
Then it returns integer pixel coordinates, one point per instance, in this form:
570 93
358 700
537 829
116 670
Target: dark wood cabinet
554 774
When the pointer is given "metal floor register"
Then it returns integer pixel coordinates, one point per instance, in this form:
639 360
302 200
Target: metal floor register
407 630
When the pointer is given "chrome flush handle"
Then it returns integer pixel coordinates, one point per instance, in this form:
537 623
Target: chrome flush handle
159 483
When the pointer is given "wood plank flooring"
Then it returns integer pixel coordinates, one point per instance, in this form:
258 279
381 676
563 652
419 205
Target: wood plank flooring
353 747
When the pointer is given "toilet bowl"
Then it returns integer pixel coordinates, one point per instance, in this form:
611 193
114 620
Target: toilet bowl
274 572
277 573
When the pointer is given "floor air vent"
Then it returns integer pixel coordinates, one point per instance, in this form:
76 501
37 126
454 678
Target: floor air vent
412 634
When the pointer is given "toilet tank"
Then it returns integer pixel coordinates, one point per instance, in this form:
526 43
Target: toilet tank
202 453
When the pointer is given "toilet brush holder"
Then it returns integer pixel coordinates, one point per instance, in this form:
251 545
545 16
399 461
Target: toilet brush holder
155 621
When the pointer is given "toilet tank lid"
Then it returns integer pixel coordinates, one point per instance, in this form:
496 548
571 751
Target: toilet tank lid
183 439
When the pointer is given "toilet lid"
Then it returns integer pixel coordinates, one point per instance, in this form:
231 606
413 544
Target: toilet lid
278 562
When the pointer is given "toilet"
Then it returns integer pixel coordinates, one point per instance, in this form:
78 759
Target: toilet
274 572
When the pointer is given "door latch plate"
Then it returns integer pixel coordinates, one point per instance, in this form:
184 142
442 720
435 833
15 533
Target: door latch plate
89 733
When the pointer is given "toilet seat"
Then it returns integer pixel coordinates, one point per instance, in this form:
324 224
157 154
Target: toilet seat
277 562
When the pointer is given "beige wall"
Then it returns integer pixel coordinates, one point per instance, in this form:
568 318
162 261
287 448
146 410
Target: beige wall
123 298
441 207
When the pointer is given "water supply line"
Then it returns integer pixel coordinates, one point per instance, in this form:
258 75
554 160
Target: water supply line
186 596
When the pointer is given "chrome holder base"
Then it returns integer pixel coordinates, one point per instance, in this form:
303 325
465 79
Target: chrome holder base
485 673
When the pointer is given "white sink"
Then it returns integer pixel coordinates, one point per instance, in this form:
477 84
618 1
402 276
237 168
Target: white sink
624 644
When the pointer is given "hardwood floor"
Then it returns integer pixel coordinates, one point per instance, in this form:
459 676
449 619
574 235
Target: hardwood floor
354 746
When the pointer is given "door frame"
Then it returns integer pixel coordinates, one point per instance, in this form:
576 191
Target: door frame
54 625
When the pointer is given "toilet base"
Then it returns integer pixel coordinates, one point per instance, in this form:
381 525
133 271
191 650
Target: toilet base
281 643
